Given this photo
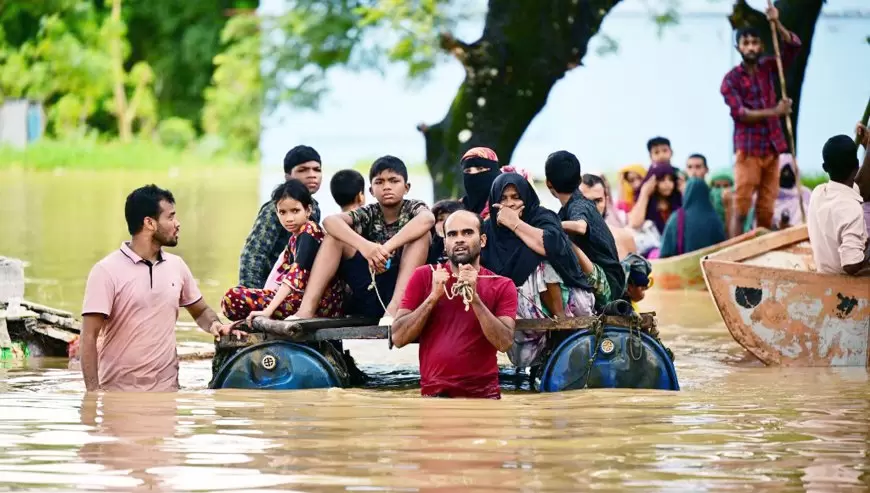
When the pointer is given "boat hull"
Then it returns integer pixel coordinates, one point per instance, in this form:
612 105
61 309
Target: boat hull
777 307
684 271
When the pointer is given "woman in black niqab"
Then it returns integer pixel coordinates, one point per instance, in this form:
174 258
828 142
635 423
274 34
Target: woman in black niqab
479 169
539 259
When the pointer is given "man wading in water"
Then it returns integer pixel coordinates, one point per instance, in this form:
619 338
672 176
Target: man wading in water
749 92
458 342
131 303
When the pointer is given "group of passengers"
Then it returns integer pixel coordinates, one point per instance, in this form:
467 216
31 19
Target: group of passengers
663 211
363 260
455 278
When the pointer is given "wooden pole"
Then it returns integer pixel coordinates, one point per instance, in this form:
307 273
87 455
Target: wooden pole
788 126
861 178
864 119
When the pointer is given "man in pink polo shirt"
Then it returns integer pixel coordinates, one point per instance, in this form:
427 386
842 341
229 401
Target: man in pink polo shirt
132 299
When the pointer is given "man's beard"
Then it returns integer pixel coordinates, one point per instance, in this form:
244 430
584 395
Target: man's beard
165 240
467 257
750 58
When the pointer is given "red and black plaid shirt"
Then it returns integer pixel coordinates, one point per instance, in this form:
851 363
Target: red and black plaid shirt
744 91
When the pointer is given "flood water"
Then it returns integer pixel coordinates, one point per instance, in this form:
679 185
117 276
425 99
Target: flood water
734 425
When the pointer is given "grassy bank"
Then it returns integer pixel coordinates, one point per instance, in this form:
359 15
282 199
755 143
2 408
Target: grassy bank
95 155
811 180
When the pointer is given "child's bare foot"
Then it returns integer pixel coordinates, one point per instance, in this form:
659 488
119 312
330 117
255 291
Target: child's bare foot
303 314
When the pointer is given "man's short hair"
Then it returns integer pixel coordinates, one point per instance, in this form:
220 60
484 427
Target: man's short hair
388 163
701 157
840 157
657 141
346 185
591 180
562 170
446 206
298 155
746 32
144 202
478 216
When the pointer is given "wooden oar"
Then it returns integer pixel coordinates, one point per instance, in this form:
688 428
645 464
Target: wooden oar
788 126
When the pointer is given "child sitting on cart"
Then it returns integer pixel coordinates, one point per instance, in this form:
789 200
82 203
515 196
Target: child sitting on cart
374 248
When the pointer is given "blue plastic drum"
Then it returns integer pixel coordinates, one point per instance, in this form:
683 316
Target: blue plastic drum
624 361
276 365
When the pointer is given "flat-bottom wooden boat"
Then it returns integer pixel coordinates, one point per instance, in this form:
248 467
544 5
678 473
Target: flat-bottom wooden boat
782 311
684 271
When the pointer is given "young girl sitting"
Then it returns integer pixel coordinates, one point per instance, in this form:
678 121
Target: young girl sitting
282 295
657 199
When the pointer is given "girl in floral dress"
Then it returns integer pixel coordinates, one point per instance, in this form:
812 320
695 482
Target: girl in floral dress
293 205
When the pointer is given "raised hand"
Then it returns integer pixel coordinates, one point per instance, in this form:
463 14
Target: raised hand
439 280
783 107
508 217
468 274
648 188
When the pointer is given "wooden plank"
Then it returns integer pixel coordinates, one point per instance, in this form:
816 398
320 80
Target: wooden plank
230 342
293 328
66 323
294 331
763 244
22 315
54 333
46 309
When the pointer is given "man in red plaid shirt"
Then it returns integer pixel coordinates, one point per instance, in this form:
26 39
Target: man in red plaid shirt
749 92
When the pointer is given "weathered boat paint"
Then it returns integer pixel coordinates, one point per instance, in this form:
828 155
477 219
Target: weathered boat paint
777 307
684 271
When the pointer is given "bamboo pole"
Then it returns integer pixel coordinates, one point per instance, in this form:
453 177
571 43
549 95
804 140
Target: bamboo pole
788 126
865 120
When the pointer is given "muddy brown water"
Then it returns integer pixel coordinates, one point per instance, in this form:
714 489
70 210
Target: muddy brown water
735 425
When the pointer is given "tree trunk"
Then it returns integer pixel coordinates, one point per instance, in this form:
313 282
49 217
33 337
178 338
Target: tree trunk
526 47
799 17
125 124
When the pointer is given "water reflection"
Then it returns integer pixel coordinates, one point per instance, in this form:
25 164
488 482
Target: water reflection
757 428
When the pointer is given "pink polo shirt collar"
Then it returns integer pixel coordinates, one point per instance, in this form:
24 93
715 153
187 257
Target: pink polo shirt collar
135 258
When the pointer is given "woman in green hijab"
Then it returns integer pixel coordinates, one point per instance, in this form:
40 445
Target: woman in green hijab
721 188
695 225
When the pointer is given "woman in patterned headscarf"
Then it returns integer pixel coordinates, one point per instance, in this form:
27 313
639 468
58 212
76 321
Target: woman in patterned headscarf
480 168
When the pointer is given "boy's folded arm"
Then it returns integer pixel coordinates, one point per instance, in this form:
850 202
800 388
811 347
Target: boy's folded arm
420 225
340 227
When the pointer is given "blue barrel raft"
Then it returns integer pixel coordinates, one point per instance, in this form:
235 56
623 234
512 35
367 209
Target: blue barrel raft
277 365
621 358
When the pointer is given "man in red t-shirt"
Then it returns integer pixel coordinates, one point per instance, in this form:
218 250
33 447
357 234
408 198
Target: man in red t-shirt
458 345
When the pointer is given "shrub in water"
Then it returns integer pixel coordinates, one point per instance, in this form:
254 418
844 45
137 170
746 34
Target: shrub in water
176 132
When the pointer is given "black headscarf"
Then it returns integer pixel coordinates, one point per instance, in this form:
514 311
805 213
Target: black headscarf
477 186
507 255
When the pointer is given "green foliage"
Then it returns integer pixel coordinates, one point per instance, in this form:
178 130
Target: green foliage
315 36
94 154
179 40
813 180
59 60
234 101
176 132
